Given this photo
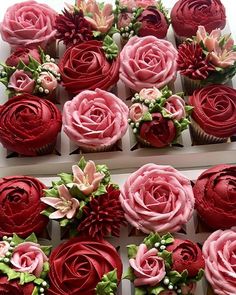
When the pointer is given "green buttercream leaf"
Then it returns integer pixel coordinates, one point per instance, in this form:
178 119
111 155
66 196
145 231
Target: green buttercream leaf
188 109
48 211
38 281
132 251
174 276
167 257
82 163
147 117
161 8
155 290
80 210
96 34
104 169
33 64
66 178
12 274
46 249
110 48
17 240
64 222
45 271
140 291
129 274
42 55
100 191
112 31
76 192
108 284
234 48
169 239
35 291
4 81
184 275
151 240
32 238
136 27
52 192
199 275
26 277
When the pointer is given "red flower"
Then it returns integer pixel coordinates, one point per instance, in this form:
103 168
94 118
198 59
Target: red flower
104 215
14 288
22 54
192 62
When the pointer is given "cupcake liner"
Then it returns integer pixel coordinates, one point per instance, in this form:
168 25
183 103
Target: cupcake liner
179 40
191 85
199 136
44 150
143 142
51 49
97 149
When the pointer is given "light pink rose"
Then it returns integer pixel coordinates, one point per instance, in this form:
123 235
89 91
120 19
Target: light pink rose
21 82
129 4
95 118
157 199
4 247
175 105
28 257
150 93
147 62
51 66
48 81
220 261
136 111
145 3
148 267
124 19
28 23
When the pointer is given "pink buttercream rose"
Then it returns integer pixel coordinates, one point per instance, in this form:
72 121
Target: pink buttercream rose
95 119
51 66
145 3
148 267
157 199
48 81
4 247
147 62
136 111
124 19
150 93
20 81
28 24
219 252
28 257
175 106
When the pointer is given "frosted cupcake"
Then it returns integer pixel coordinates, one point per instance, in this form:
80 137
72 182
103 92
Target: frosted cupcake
157 199
95 120
214 114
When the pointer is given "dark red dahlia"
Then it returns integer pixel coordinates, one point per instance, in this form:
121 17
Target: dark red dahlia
103 216
192 62
72 28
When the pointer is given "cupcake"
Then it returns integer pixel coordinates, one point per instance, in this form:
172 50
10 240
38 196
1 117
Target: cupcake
219 254
214 114
30 71
90 65
214 193
29 125
148 62
157 117
206 59
28 24
20 206
24 266
187 15
83 266
95 120
157 199
164 264
92 202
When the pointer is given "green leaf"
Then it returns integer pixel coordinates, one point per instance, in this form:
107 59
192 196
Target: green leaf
136 27
112 31
161 7
82 163
199 275
234 48
167 257
108 284
169 239
52 192
110 48
26 277
96 34
42 55
17 240
100 191
129 274
151 240
38 281
35 291
12 274
33 64
46 250
132 250
47 212
64 222
104 169
4 81
32 238
155 290
76 192
184 275
147 117
80 211
139 291
174 276
45 271
188 109
66 178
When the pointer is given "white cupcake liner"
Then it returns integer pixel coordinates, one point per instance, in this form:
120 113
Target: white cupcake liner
97 149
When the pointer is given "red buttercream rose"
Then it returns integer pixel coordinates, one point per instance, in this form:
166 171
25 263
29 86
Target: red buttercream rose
22 54
159 132
78 265
187 15
215 194
13 288
20 206
85 66
215 110
29 124
186 255
153 22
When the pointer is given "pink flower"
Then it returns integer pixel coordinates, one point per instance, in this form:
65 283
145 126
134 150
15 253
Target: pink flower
150 93
136 111
148 267
101 20
48 81
222 57
51 66
4 247
145 3
21 82
28 257
85 6
66 205
129 4
88 180
175 106
209 40
124 19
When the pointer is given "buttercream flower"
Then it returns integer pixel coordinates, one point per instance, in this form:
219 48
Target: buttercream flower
95 119
129 4
208 40
12 287
20 81
28 257
150 93
214 193
22 54
148 62
124 19
219 254
28 24
4 247
148 267
66 205
157 198
48 81
51 66
145 3
188 289
136 111
175 105
87 180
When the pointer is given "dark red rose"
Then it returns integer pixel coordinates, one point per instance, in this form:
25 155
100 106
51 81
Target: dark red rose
77 266
153 22
186 255
187 15
159 132
215 194
85 66
13 288
215 110
20 206
23 55
29 125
